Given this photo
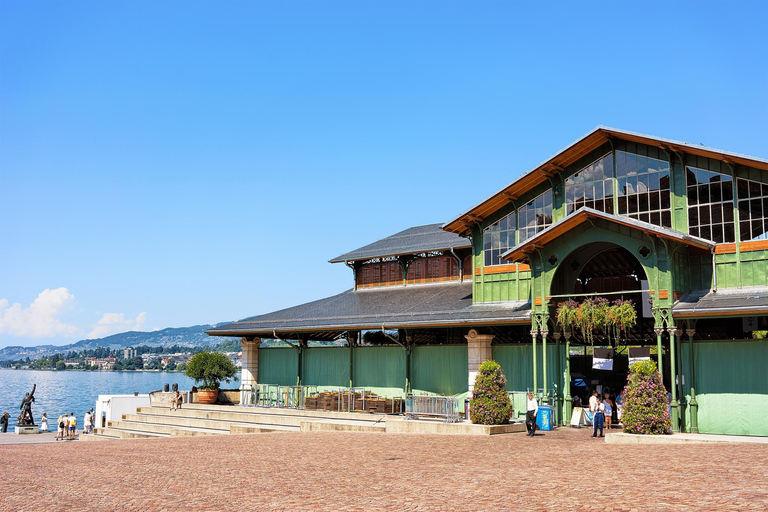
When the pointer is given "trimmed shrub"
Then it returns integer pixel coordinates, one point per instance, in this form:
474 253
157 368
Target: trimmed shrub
645 401
490 404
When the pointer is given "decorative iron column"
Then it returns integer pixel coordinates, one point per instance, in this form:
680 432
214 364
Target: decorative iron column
558 396
534 335
674 404
544 364
659 349
567 379
694 405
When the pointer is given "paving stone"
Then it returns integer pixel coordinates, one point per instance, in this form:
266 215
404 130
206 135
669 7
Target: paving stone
565 469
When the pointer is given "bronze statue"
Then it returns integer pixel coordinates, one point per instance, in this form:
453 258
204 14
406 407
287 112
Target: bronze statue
25 417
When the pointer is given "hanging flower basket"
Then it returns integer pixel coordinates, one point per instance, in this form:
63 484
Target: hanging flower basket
592 315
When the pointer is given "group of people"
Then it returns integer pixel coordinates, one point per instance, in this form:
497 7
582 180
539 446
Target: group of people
605 410
68 425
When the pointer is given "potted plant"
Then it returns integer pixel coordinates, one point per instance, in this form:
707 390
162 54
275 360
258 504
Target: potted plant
209 369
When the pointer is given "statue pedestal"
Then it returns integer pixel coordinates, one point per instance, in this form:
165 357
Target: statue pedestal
31 429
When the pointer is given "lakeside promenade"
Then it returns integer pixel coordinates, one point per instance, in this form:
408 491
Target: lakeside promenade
564 469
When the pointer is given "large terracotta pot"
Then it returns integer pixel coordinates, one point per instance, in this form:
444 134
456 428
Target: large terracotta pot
207 396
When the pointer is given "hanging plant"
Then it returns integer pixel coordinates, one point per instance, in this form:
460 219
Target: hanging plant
597 314
566 314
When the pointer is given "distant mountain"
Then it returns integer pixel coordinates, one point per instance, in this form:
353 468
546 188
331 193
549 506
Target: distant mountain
185 336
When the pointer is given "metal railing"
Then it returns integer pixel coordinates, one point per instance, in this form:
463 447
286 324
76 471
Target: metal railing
446 407
272 395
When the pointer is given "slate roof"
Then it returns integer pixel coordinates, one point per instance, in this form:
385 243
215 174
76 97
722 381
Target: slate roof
724 302
430 305
413 240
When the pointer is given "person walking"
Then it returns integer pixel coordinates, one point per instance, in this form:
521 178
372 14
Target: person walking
87 422
4 422
44 423
532 410
599 418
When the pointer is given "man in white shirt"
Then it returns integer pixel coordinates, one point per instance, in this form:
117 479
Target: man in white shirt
593 402
530 415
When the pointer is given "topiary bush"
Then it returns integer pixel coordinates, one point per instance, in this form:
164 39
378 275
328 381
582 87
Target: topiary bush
490 404
645 401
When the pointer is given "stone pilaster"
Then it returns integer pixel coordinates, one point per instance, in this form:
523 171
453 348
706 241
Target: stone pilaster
249 375
479 347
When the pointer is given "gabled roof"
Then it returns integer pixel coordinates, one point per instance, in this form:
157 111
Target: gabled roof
438 305
750 300
542 238
581 147
413 240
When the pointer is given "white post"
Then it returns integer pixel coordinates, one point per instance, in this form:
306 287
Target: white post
479 347
249 375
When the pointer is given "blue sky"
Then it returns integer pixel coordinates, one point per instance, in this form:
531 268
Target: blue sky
178 163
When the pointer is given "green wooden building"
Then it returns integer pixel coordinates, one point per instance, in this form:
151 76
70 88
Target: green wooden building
680 229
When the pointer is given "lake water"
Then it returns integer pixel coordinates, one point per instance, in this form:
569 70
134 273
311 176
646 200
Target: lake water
73 391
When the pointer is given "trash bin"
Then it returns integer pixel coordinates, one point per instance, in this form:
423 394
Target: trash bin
545 417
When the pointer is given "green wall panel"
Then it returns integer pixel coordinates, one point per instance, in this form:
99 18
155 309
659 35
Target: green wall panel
731 386
440 369
379 368
326 366
517 364
278 366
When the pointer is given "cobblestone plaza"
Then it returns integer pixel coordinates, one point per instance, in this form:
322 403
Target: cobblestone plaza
564 469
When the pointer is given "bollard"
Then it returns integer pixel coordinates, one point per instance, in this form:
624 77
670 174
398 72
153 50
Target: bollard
165 388
175 387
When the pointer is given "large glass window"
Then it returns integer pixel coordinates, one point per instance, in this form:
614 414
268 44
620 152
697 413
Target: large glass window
535 215
710 205
591 187
499 237
753 210
643 188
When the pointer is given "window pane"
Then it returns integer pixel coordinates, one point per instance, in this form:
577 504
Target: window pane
744 232
704 215
728 233
727 189
693 217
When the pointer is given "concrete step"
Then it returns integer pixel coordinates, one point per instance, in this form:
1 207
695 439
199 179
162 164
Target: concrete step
233 415
138 426
127 434
341 426
97 437
274 411
181 420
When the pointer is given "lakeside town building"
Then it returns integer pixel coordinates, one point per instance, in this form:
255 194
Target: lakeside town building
680 229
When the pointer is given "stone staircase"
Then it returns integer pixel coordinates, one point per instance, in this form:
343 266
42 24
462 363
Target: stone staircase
201 420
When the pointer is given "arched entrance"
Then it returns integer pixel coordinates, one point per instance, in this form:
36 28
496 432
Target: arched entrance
602 269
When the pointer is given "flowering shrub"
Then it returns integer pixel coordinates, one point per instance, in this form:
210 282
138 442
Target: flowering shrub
645 401
490 404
